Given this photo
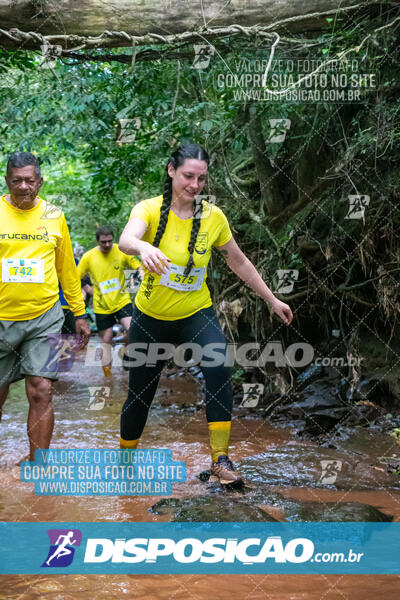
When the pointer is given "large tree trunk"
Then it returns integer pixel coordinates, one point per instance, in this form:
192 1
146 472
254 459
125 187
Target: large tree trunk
270 198
140 17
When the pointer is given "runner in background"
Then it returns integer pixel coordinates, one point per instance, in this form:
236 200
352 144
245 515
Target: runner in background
69 320
35 253
108 268
174 234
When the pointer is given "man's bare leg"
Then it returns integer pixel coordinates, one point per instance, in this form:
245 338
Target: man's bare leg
41 415
106 336
3 397
126 323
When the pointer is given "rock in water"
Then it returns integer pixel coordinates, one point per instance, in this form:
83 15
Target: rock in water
213 508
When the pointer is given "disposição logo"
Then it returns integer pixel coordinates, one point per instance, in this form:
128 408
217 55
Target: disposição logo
62 547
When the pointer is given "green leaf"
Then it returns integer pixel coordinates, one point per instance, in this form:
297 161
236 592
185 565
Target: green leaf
206 125
123 113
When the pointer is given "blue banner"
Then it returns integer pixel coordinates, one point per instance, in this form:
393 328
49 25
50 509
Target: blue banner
103 472
200 548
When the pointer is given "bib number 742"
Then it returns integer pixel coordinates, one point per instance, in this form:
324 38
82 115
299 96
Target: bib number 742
22 270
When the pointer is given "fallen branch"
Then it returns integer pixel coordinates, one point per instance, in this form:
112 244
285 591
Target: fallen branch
16 38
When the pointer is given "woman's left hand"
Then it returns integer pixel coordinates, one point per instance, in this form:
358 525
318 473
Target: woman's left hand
282 310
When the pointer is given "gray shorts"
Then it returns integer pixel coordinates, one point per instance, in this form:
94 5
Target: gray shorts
25 346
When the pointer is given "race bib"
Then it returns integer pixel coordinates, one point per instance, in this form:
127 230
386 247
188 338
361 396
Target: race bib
110 285
22 270
174 278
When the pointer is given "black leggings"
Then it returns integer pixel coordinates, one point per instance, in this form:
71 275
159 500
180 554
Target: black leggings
201 328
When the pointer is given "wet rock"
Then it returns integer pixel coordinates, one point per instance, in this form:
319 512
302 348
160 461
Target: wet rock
305 510
210 508
323 399
205 475
391 465
334 511
217 508
379 391
310 466
366 443
363 413
165 505
313 373
320 404
322 421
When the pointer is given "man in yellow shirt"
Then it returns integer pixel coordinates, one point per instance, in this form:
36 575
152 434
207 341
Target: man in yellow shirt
35 253
109 269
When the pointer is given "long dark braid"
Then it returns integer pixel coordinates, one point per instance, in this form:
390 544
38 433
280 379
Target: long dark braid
186 150
164 211
197 212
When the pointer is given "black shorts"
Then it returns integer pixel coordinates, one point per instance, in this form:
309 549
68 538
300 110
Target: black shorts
69 322
107 321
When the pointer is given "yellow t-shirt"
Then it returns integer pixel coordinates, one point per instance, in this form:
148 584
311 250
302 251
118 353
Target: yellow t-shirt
35 253
107 272
157 300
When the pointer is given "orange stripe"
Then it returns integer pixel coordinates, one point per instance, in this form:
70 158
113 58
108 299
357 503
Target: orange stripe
218 425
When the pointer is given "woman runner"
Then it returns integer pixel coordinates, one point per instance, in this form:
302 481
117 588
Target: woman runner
173 234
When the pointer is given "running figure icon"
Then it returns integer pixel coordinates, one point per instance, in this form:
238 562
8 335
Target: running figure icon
62 549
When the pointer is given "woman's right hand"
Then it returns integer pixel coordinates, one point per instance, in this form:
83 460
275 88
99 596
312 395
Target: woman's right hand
153 259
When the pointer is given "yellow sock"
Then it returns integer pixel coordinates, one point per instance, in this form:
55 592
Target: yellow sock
219 438
128 444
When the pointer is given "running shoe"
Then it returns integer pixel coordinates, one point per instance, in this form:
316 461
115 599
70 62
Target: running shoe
223 469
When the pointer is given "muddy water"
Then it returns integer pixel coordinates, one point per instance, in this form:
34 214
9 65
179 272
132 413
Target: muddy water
283 474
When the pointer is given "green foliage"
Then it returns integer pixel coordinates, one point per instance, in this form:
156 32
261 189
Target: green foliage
395 433
70 117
